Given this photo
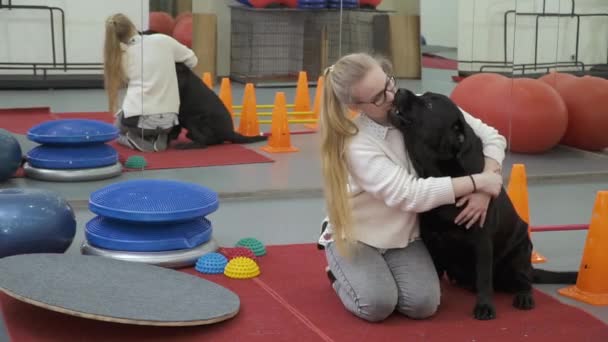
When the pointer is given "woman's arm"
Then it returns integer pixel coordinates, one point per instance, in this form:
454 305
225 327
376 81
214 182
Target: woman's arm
181 53
377 174
494 144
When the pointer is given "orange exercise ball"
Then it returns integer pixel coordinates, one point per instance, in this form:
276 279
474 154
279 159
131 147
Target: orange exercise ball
161 22
528 113
587 101
183 31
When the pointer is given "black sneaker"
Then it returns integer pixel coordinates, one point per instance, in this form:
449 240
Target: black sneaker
323 227
330 275
139 143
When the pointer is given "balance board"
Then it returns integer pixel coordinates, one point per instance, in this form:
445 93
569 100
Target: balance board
116 291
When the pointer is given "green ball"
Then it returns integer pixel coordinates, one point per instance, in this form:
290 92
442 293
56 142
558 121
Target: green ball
254 245
136 162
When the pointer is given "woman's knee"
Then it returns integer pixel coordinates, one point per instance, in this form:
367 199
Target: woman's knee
377 307
421 304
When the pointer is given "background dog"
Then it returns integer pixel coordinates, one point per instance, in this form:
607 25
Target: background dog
203 114
496 257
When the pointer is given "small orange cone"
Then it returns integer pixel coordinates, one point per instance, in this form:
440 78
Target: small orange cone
279 140
592 282
518 193
316 107
248 125
208 80
302 100
226 94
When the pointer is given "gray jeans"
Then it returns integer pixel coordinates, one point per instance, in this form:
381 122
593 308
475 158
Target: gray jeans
372 285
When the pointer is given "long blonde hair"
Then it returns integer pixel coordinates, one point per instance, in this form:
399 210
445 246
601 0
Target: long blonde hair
336 128
119 29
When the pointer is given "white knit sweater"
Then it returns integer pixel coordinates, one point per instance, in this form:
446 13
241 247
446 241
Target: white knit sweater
386 194
149 63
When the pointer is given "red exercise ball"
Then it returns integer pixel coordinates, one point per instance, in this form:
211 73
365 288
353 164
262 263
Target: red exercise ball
468 92
183 31
556 79
182 16
529 113
369 3
587 101
161 22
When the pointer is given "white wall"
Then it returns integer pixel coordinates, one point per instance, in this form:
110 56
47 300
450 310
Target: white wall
439 22
480 28
25 34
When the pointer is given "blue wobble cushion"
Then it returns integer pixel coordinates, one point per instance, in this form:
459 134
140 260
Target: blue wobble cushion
72 157
153 200
146 237
72 131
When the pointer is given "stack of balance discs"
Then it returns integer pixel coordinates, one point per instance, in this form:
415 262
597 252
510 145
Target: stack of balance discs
72 150
152 221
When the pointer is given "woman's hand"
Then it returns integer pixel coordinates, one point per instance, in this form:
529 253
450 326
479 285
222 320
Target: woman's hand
476 209
489 182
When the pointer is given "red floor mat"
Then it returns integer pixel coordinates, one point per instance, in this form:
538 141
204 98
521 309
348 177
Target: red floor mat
21 120
438 62
292 301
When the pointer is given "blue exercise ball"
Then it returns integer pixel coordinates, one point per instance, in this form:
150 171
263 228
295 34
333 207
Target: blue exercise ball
10 155
34 221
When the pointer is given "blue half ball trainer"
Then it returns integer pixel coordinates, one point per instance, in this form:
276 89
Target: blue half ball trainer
10 155
72 131
153 200
34 221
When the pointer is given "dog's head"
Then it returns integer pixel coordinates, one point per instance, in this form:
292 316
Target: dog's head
434 129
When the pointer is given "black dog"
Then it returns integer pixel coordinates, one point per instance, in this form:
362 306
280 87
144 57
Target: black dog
203 114
496 257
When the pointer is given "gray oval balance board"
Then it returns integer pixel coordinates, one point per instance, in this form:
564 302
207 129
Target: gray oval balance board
116 291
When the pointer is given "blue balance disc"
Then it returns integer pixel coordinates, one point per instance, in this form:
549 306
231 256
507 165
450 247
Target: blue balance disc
72 131
147 237
153 200
72 157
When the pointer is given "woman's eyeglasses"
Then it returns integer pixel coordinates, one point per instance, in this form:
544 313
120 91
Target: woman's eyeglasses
380 98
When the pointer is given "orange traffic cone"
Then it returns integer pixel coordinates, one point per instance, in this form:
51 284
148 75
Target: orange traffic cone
207 79
302 100
316 107
226 94
592 282
248 125
279 140
518 193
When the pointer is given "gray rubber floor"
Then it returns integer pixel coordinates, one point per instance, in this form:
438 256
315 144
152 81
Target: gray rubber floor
281 202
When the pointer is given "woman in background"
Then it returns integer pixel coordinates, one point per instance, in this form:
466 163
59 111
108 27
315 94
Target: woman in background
143 66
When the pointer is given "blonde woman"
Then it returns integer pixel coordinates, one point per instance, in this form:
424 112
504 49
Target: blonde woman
145 66
377 263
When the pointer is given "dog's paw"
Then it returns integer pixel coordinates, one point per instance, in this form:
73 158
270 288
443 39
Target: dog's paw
524 301
484 311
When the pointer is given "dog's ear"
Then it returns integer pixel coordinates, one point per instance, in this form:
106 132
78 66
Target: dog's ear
470 156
